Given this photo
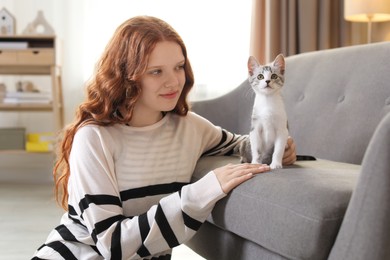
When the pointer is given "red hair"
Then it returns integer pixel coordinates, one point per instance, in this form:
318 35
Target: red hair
116 84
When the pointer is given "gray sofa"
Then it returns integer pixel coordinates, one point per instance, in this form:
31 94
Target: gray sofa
335 207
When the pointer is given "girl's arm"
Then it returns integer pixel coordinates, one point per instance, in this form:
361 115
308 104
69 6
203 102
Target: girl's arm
95 203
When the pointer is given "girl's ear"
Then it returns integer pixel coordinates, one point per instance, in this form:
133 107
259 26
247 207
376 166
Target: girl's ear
252 65
280 63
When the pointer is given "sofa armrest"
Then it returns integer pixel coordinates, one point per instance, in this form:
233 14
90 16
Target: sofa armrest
365 231
231 111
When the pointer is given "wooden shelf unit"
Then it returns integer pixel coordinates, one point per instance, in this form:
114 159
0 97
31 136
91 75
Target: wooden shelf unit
33 55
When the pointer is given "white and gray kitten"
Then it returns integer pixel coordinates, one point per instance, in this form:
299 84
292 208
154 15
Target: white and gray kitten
269 133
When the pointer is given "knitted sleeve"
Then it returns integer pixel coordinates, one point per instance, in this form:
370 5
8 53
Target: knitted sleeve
95 203
217 141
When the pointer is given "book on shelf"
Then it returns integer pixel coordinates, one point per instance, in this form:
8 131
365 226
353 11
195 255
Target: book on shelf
41 137
27 98
39 147
40 142
25 101
13 45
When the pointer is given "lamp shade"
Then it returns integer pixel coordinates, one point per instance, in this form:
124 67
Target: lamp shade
367 10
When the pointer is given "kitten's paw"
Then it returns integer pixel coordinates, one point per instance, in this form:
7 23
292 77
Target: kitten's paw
275 165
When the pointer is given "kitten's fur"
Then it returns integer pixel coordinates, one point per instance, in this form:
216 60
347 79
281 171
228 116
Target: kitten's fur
269 133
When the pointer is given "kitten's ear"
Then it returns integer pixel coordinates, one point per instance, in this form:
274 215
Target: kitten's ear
252 64
280 63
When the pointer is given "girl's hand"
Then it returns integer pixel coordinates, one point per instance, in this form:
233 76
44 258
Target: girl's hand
290 155
232 175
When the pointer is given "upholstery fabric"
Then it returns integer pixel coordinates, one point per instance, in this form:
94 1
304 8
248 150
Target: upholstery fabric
334 105
295 211
365 232
326 101
331 208
234 246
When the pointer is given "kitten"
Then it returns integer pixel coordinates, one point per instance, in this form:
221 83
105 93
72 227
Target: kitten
268 135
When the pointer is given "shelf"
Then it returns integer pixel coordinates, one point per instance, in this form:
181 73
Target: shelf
37 58
29 56
29 70
26 107
38 41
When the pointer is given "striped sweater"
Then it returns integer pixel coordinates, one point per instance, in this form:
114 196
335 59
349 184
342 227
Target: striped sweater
130 195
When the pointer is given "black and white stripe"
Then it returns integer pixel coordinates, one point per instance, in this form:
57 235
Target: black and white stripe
226 145
151 190
130 195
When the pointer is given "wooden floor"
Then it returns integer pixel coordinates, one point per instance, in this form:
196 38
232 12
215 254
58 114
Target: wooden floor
28 213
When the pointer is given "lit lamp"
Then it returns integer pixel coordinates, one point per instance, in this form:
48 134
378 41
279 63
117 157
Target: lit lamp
367 11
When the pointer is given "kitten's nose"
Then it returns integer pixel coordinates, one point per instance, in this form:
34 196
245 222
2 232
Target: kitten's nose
268 81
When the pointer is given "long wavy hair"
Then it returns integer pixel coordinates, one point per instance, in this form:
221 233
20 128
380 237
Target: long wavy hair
115 84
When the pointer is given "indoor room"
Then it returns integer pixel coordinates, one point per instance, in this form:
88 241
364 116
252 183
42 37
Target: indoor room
326 193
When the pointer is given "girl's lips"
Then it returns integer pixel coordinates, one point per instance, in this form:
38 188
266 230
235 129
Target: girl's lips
170 95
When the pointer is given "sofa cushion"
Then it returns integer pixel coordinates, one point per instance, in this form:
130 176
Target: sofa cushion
339 94
295 211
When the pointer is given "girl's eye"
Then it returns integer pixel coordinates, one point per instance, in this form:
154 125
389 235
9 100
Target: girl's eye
180 67
260 76
274 76
155 72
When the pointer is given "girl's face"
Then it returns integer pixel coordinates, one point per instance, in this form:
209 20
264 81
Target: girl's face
163 81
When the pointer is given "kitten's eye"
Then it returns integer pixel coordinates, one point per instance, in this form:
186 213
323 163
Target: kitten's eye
260 76
274 76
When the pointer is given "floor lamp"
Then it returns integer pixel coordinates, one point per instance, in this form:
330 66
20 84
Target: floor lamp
368 11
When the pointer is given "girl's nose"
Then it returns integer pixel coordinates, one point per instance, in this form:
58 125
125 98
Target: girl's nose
172 80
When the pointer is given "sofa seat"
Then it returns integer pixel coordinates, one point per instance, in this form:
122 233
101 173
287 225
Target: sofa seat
295 212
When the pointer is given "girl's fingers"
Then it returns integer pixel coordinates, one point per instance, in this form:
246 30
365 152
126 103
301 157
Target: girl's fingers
230 176
289 156
249 168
